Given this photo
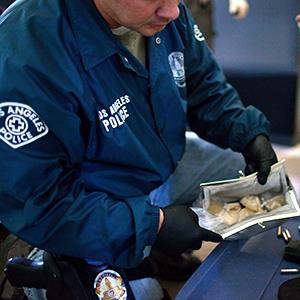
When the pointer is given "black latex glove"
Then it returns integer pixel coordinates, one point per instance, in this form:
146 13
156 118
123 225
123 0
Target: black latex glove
180 231
259 156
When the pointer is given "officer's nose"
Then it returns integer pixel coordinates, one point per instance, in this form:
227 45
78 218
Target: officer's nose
168 10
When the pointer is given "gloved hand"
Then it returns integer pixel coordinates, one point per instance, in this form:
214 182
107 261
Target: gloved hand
259 156
238 8
180 231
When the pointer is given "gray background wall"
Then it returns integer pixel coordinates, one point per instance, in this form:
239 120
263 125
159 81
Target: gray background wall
259 57
266 38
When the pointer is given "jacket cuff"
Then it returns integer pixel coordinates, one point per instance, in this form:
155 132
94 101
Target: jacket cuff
252 136
154 225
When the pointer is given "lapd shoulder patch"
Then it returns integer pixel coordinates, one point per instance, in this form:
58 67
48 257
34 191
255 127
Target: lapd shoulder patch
198 34
110 285
20 124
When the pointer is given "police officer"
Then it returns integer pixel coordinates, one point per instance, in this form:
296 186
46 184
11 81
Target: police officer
94 99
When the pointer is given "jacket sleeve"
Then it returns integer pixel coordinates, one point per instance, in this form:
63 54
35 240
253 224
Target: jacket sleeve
43 199
214 109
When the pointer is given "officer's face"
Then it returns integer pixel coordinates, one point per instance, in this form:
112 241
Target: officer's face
145 16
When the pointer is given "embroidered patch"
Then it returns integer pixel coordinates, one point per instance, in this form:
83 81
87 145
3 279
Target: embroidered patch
20 124
176 61
198 34
116 114
109 285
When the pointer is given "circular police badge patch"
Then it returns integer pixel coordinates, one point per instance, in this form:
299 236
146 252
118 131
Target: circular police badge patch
20 124
109 285
176 61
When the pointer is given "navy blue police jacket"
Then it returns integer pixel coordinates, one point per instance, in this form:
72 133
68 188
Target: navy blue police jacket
87 131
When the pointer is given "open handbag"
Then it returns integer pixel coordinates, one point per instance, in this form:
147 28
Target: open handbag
240 208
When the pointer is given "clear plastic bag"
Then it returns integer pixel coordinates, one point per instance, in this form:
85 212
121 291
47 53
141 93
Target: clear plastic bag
240 208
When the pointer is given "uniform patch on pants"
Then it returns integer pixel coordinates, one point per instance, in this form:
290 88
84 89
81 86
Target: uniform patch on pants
109 285
20 124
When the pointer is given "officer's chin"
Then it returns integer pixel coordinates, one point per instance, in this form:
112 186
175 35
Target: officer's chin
151 29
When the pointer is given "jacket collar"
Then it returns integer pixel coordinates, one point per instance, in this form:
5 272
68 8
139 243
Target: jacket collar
94 37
